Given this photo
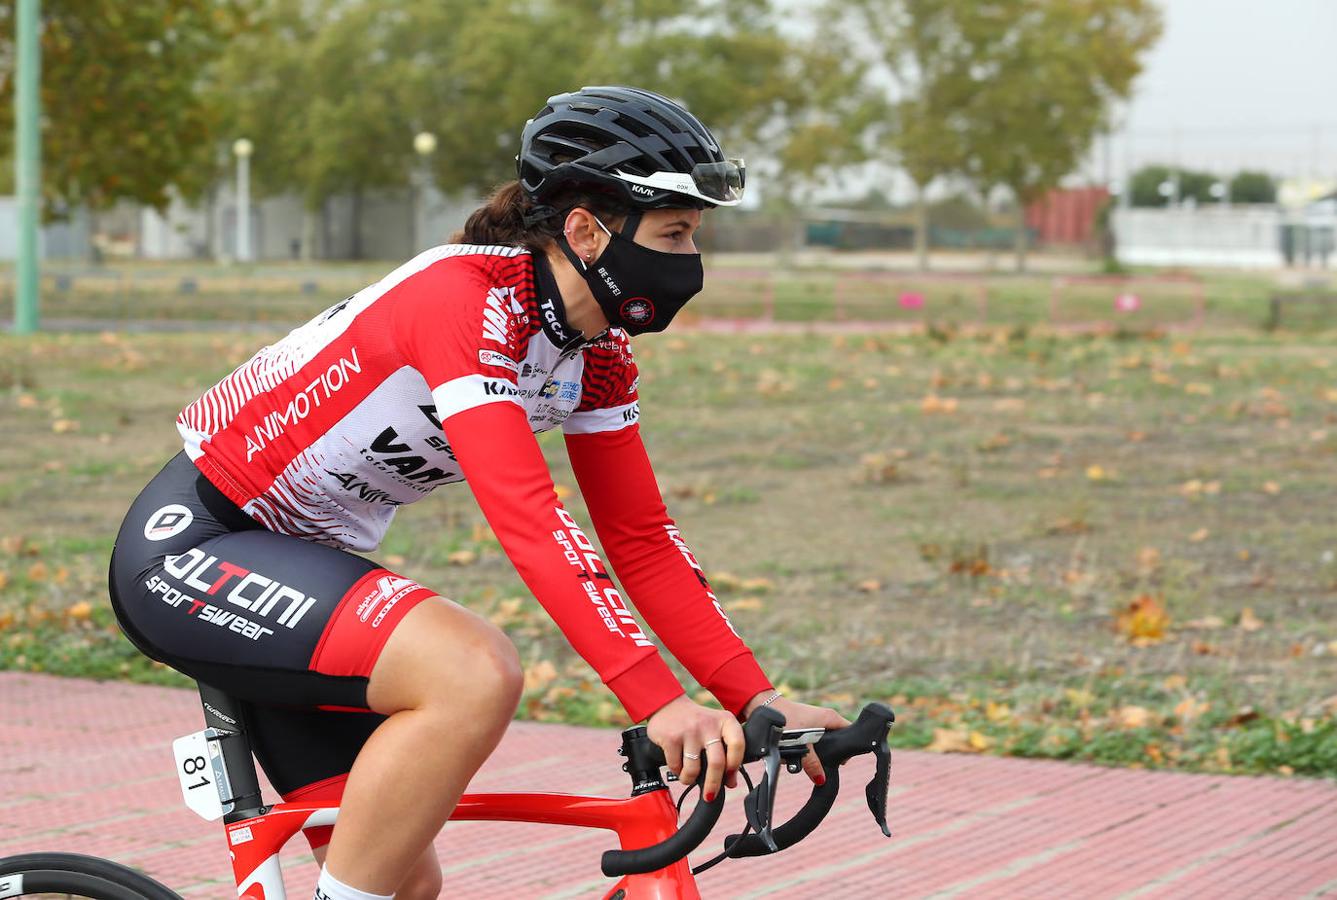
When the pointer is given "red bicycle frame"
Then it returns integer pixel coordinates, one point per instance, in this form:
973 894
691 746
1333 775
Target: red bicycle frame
639 821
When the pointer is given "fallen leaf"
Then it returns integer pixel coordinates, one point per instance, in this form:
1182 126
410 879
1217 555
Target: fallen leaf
744 603
1199 536
1144 619
979 742
1271 487
1202 648
37 572
1206 623
80 611
1197 387
997 712
951 740
27 401
1132 716
1079 697
1148 560
507 611
932 404
757 584
394 559
539 675
1096 472
1248 621
1174 682
461 557
62 426
869 585
1190 708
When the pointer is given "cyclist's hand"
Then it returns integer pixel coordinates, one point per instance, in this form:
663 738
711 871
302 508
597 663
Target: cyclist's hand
681 726
801 715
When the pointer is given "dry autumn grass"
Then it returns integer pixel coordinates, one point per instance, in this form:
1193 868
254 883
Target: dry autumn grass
1120 550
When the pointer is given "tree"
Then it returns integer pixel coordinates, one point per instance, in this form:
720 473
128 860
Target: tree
1253 187
1147 183
1044 75
123 116
334 90
918 42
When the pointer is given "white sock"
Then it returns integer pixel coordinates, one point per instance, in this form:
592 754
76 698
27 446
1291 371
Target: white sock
331 888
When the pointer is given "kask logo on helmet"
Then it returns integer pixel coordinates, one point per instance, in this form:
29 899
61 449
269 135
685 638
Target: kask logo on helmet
638 310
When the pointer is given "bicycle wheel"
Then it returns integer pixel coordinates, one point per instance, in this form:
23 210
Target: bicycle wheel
74 875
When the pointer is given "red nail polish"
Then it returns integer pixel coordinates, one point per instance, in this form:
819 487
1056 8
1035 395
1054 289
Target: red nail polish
821 780
710 797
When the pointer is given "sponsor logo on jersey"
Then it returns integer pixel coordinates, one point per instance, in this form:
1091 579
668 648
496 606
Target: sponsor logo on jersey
500 360
495 387
582 556
169 521
356 484
502 316
631 414
322 388
210 576
390 454
562 390
675 536
384 594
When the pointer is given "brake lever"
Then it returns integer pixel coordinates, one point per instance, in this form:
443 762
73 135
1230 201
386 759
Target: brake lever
760 801
876 789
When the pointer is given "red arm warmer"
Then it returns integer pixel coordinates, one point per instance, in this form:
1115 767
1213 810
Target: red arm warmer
656 567
504 466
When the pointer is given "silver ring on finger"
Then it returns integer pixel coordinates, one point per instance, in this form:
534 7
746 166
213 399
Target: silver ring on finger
692 756
716 741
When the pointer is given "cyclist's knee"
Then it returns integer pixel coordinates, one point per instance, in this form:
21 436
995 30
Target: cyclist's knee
442 656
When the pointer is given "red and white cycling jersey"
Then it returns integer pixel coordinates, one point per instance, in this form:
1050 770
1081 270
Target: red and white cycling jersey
323 434
442 372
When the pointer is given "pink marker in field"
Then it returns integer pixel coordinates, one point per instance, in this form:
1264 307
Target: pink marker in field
912 300
1127 303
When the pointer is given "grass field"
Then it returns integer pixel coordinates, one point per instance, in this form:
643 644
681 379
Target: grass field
736 287
1077 547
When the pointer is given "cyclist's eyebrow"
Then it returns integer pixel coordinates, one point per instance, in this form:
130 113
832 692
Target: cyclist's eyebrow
676 223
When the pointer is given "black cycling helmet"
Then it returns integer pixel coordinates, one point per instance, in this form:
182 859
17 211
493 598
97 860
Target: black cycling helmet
638 146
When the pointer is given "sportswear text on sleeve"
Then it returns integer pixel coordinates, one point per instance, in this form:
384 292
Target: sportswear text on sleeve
510 479
656 567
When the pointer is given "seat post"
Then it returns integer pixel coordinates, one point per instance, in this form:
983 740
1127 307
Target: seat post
223 713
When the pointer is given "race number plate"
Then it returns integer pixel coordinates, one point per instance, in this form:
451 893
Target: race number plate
199 766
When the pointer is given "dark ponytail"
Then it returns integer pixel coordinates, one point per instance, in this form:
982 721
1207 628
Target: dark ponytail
502 219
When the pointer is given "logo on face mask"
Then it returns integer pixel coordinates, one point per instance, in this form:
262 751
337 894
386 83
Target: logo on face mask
638 310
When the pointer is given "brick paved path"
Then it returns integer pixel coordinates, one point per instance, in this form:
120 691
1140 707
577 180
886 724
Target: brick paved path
87 767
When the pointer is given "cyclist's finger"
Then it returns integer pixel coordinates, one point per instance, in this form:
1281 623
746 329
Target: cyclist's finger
714 757
812 767
736 744
690 767
672 755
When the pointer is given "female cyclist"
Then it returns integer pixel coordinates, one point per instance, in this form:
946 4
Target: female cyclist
359 684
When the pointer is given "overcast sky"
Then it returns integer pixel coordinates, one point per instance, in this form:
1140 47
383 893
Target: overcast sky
1237 83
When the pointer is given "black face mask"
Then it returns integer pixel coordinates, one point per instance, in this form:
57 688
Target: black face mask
637 288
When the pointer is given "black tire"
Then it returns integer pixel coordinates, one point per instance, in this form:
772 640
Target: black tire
75 875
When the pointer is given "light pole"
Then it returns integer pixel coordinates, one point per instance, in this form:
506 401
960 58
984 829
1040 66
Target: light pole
27 162
242 149
424 144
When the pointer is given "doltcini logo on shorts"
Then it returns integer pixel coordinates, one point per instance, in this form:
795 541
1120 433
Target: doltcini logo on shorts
168 521
251 591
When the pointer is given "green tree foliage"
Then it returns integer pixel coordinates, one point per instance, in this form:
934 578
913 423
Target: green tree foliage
1147 183
333 91
1253 187
123 116
1044 74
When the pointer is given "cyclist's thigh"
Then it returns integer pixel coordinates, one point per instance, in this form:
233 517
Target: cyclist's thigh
266 617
